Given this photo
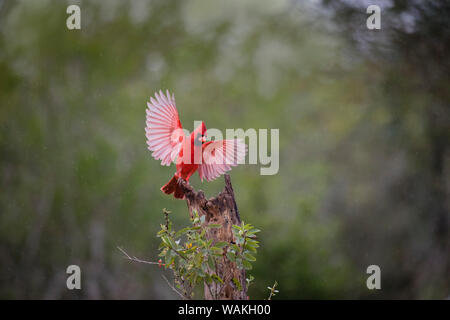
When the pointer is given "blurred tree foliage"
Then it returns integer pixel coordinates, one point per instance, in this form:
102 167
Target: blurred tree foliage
410 75
364 131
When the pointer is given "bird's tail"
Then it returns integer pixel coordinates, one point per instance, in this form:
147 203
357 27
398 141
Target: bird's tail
173 187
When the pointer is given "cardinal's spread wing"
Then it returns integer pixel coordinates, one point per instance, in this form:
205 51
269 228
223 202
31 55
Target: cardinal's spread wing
163 128
220 156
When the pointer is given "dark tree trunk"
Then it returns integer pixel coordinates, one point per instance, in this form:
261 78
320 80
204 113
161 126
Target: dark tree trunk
223 210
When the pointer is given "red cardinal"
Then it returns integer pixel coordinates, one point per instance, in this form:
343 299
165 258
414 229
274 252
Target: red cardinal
167 141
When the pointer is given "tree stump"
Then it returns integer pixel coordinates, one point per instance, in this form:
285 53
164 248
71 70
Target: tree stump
223 210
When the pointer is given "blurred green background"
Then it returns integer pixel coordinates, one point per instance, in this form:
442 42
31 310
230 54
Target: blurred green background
364 141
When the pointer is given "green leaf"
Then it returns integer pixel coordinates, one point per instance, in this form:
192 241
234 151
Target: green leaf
250 247
217 278
211 263
231 256
249 257
253 243
167 261
237 284
216 250
189 251
247 265
198 259
182 231
161 245
208 279
166 241
214 225
236 228
221 244
172 242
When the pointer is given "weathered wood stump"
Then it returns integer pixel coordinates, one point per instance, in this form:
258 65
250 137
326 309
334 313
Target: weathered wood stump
223 210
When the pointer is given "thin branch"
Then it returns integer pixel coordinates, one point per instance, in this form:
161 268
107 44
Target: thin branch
272 290
174 289
178 253
133 258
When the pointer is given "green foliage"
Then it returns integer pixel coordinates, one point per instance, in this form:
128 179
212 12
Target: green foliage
241 252
363 141
193 258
